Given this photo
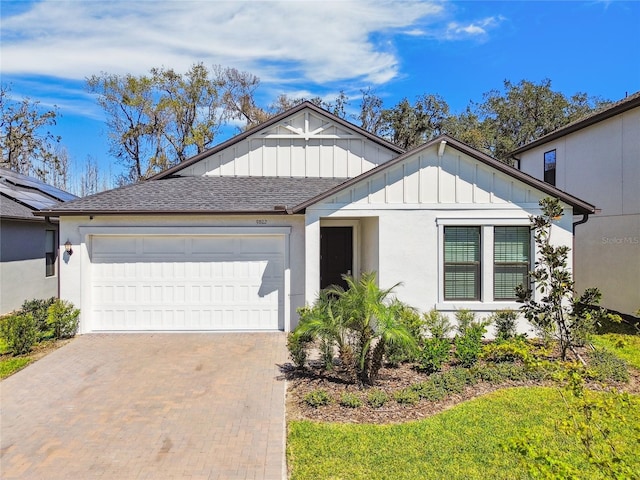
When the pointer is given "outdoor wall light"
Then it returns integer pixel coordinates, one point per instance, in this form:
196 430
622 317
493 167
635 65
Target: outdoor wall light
67 247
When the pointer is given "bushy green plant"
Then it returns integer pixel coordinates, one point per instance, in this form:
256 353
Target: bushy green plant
350 400
19 332
38 308
515 349
454 380
377 398
505 322
297 344
409 318
371 319
434 354
437 324
465 319
406 396
436 348
62 317
469 342
317 398
606 366
430 390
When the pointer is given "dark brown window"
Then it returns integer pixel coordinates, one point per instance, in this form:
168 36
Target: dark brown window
550 167
462 263
50 253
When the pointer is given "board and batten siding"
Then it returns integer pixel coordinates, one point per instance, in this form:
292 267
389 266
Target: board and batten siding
428 179
305 145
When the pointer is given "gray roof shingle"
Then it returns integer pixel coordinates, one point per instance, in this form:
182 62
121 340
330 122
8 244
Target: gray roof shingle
200 195
12 209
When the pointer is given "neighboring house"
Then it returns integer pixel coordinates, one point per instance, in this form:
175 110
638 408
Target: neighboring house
28 243
598 159
242 235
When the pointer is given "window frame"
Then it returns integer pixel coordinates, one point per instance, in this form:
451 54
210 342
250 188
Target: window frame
477 264
549 175
50 252
526 264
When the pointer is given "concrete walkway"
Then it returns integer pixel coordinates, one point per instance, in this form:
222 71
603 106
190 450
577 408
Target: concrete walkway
148 406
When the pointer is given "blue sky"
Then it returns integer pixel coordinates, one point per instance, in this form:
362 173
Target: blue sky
457 49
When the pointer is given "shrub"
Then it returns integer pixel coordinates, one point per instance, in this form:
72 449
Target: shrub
20 332
605 366
63 319
377 398
297 345
317 398
409 318
508 351
434 354
465 319
505 323
406 396
39 310
430 391
454 380
437 324
350 400
469 343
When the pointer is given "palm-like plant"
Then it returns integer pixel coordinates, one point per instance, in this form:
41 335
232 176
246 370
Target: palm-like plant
372 322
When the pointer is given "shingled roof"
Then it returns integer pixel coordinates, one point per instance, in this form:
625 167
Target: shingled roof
197 195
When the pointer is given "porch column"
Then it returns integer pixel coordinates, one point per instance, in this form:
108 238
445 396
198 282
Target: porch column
312 256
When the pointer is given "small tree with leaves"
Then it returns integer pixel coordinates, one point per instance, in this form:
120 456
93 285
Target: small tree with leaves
559 312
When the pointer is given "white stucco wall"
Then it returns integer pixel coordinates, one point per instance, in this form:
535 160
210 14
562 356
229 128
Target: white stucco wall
601 165
75 270
410 224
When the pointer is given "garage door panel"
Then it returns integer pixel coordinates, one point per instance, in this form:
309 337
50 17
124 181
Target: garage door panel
238 288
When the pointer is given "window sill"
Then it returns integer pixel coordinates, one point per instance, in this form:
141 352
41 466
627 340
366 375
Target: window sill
478 306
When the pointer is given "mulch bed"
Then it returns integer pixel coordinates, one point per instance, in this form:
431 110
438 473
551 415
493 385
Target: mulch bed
390 380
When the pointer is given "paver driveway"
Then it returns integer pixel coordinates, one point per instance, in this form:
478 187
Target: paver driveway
148 406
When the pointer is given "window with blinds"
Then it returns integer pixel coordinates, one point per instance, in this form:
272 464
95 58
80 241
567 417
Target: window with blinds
511 257
462 263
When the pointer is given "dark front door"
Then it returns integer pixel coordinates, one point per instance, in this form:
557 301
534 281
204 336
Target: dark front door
336 255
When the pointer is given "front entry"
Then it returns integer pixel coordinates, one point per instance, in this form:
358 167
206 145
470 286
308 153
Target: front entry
336 255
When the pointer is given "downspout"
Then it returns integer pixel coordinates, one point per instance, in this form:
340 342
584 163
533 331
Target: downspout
57 230
585 218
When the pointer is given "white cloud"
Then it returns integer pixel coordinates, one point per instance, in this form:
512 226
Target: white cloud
479 28
278 41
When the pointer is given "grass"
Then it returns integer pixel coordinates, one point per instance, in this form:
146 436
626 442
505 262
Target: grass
465 442
627 347
10 364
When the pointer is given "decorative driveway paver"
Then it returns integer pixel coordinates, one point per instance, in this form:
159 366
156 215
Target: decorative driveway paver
148 406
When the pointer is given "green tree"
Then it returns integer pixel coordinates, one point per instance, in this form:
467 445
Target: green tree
158 120
28 146
524 112
409 126
559 312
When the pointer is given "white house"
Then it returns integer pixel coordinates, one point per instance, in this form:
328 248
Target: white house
28 243
598 159
240 236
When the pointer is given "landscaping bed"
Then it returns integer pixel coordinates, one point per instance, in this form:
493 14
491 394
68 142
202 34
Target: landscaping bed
454 384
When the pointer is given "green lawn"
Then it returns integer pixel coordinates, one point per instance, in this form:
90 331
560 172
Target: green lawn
624 346
465 442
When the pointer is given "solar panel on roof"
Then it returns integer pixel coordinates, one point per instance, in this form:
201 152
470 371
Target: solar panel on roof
34 199
22 180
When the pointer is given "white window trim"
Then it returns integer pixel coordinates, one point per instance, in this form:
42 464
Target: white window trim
486 225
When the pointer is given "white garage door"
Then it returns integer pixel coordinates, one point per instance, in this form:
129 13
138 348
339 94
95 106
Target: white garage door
154 282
